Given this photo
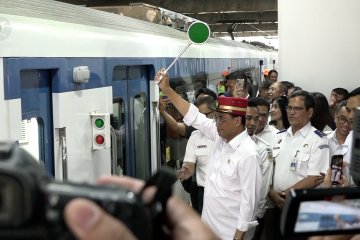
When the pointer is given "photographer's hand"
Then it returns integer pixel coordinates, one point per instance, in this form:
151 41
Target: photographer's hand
88 221
96 224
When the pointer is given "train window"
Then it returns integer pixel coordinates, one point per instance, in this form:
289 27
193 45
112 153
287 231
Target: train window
134 72
119 73
30 137
141 130
118 123
126 73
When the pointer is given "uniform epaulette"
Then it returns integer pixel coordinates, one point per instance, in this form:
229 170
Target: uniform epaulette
320 133
281 131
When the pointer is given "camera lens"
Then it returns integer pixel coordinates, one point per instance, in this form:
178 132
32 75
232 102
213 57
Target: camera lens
11 201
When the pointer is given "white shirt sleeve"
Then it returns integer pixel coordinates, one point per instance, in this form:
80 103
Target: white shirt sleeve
199 121
190 149
250 180
319 158
266 170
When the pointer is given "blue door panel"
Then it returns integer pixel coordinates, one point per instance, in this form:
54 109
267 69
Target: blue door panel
36 102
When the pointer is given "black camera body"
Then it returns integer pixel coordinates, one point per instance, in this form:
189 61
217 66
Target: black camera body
32 204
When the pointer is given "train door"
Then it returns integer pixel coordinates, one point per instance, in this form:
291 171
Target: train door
36 109
130 120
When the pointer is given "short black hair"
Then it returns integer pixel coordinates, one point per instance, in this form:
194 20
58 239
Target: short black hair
265 84
354 92
252 103
340 105
309 98
271 71
238 74
341 91
206 91
206 99
259 101
287 84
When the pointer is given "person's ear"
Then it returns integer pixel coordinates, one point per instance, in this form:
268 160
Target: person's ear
310 112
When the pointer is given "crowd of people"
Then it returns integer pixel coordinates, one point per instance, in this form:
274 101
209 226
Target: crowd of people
246 153
295 131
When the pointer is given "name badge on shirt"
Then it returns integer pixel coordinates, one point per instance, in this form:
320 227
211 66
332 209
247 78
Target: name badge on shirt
294 162
202 146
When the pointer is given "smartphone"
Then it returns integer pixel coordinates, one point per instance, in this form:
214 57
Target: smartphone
336 165
240 83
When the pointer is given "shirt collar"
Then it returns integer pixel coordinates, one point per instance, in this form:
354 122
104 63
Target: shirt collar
303 131
236 141
349 138
332 136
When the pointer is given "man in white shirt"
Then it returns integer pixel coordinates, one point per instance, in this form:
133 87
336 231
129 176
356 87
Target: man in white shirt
301 153
198 150
264 131
339 143
233 182
265 152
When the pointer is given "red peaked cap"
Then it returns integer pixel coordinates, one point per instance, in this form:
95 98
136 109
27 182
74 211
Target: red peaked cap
232 105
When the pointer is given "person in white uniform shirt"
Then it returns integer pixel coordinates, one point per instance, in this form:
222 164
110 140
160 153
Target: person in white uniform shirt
301 154
339 143
198 150
264 130
233 182
265 152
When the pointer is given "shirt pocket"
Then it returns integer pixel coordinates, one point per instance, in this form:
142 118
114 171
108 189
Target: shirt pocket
303 163
227 169
201 152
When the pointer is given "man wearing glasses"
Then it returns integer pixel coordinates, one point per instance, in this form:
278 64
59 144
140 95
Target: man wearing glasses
233 182
339 142
300 153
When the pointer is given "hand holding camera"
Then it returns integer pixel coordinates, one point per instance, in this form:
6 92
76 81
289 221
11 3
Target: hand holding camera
32 205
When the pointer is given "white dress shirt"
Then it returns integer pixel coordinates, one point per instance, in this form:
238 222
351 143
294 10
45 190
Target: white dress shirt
233 182
266 156
298 156
268 133
198 150
343 149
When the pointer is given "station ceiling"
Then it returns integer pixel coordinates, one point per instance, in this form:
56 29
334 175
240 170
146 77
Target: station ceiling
236 18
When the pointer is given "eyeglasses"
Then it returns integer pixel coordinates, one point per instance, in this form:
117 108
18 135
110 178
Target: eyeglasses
221 119
295 109
343 120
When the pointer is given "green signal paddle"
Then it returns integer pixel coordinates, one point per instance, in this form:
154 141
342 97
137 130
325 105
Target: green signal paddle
198 33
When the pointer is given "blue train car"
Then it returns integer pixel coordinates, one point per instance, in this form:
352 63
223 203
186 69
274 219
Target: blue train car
76 86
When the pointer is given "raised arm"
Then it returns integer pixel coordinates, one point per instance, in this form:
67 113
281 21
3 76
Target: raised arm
181 104
178 127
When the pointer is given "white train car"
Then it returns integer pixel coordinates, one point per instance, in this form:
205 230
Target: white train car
82 77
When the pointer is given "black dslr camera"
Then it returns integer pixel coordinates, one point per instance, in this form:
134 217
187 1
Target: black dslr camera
31 203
